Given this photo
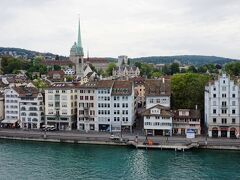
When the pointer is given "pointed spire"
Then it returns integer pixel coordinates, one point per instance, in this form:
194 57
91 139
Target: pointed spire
79 41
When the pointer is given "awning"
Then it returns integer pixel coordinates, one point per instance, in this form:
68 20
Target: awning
9 121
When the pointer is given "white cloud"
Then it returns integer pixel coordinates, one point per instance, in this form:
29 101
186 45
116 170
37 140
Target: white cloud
131 27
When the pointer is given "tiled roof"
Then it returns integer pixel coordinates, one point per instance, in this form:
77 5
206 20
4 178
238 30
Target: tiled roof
57 62
193 113
51 73
164 111
63 85
138 80
89 85
122 88
95 60
157 87
105 83
24 91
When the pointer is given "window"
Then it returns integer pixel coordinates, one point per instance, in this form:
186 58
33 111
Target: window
81 97
214 88
91 97
233 95
86 97
233 111
214 120
224 121
233 120
234 103
224 111
224 103
214 111
224 88
224 95
214 95
214 103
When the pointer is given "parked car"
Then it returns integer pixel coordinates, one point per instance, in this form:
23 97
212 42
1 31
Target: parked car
114 137
48 128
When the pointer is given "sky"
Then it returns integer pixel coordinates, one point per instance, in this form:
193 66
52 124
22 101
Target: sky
135 28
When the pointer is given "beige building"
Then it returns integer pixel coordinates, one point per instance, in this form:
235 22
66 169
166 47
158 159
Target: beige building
139 90
61 106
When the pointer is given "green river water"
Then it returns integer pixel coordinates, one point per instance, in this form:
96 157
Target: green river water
35 160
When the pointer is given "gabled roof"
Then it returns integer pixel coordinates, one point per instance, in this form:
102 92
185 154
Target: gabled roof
193 114
158 87
164 111
58 62
63 85
24 91
96 60
105 84
51 73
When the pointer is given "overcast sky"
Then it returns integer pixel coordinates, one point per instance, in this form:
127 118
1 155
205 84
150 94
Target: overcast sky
131 27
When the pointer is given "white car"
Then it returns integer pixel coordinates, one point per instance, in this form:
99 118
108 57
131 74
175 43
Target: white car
114 137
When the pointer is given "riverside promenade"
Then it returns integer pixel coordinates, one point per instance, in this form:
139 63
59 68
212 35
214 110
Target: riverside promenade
175 142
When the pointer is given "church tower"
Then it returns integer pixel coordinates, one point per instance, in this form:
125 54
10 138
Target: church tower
76 54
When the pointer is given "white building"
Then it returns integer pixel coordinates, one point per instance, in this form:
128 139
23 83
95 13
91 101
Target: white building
157 92
69 72
222 108
123 106
23 107
103 104
125 72
61 106
86 113
157 117
158 121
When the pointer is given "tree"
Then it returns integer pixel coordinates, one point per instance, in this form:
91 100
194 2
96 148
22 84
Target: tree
39 83
232 68
174 68
202 69
56 67
166 70
110 68
156 74
192 69
188 90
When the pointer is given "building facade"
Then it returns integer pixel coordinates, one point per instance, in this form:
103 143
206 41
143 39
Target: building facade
1 106
24 108
157 118
86 113
222 108
125 72
61 106
123 106
185 119
158 121
157 92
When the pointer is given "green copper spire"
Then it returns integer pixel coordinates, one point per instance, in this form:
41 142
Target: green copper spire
79 48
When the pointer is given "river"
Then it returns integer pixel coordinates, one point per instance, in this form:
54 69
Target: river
36 160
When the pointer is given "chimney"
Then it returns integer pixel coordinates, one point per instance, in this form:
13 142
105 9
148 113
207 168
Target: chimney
196 107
